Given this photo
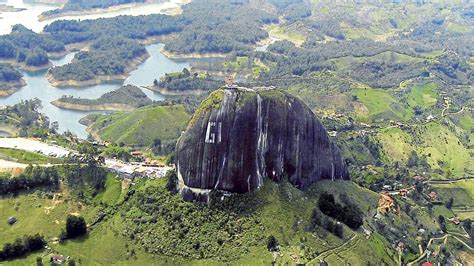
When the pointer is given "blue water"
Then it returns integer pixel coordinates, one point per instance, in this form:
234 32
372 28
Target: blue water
39 87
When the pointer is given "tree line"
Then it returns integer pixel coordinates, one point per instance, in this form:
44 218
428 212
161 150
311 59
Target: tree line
32 177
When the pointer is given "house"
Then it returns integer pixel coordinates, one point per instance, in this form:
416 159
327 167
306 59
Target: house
426 264
432 195
58 259
137 153
455 220
403 192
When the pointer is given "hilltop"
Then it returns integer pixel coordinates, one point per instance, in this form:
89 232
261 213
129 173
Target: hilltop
125 98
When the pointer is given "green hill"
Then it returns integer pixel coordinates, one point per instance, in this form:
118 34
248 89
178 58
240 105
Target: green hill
141 127
145 224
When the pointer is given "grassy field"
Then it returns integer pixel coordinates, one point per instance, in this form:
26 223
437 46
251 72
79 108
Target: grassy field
28 157
283 211
142 126
380 104
35 214
282 33
462 192
442 148
424 95
236 65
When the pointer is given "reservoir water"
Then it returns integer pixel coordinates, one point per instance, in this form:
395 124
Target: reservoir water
39 87
29 16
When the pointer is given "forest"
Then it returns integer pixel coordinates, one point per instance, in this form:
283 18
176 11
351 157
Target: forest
8 74
28 47
33 177
184 80
107 56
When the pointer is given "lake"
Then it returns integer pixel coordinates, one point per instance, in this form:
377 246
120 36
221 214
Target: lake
39 87
29 17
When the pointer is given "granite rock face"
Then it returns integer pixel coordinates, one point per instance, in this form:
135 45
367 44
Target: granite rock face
238 137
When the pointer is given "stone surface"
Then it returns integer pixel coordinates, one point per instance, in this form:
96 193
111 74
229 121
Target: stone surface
238 137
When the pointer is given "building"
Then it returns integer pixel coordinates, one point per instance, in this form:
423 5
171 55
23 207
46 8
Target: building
432 195
58 259
455 220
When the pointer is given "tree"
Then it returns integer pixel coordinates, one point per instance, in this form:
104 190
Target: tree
75 226
449 203
272 243
339 230
442 223
172 182
39 261
413 159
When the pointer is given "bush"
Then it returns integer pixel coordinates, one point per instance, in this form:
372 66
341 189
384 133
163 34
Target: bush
272 244
172 182
75 226
349 214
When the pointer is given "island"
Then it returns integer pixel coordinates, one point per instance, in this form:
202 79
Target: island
78 8
8 8
28 50
10 80
107 59
125 98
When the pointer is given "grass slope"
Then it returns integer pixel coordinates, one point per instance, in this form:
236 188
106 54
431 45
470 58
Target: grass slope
278 209
142 126
442 147
424 95
28 157
380 104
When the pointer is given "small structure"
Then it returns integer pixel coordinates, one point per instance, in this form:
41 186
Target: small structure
426 263
455 220
432 195
403 192
137 153
58 259
11 220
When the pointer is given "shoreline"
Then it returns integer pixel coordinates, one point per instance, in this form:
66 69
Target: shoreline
169 8
24 67
12 87
172 55
99 79
85 12
165 91
117 107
